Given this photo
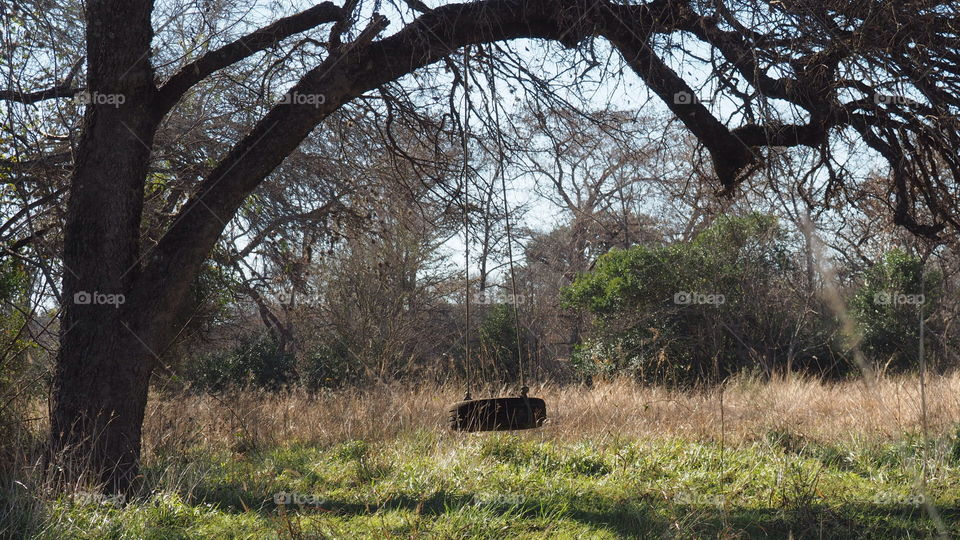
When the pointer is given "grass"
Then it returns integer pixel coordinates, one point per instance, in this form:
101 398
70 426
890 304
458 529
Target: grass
799 459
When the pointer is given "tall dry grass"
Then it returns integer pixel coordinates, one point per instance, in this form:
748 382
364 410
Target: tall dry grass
177 423
829 412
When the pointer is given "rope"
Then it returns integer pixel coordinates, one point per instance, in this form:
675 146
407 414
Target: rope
466 233
506 213
923 377
513 281
466 225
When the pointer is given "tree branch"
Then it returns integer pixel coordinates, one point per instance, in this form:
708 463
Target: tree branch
27 98
359 67
194 72
62 90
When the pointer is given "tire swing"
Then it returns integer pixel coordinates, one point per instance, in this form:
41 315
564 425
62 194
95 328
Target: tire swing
494 413
498 414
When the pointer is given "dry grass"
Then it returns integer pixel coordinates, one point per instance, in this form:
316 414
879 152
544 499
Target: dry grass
829 412
193 490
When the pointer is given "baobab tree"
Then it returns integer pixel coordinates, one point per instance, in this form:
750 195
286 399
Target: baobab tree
793 73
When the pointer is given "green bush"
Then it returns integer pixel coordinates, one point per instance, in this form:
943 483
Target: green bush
14 304
702 310
887 308
329 366
261 362
498 342
20 378
258 362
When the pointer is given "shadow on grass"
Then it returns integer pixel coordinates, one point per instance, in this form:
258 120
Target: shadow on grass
821 521
648 519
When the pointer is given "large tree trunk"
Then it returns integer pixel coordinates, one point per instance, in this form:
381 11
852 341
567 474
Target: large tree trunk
100 396
105 357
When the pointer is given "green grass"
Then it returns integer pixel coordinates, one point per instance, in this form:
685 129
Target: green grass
430 485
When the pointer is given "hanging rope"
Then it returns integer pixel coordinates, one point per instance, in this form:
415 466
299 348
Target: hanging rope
466 224
923 378
497 413
506 214
521 367
513 285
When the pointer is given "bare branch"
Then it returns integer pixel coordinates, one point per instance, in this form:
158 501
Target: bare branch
62 90
196 71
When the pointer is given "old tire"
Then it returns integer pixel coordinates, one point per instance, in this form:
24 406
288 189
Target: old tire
498 414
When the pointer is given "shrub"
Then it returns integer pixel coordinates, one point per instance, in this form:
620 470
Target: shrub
19 378
498 341
887 308
702 310
258 362
329 366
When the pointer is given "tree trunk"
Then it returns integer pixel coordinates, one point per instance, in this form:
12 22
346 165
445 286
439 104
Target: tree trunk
105 357
97 417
